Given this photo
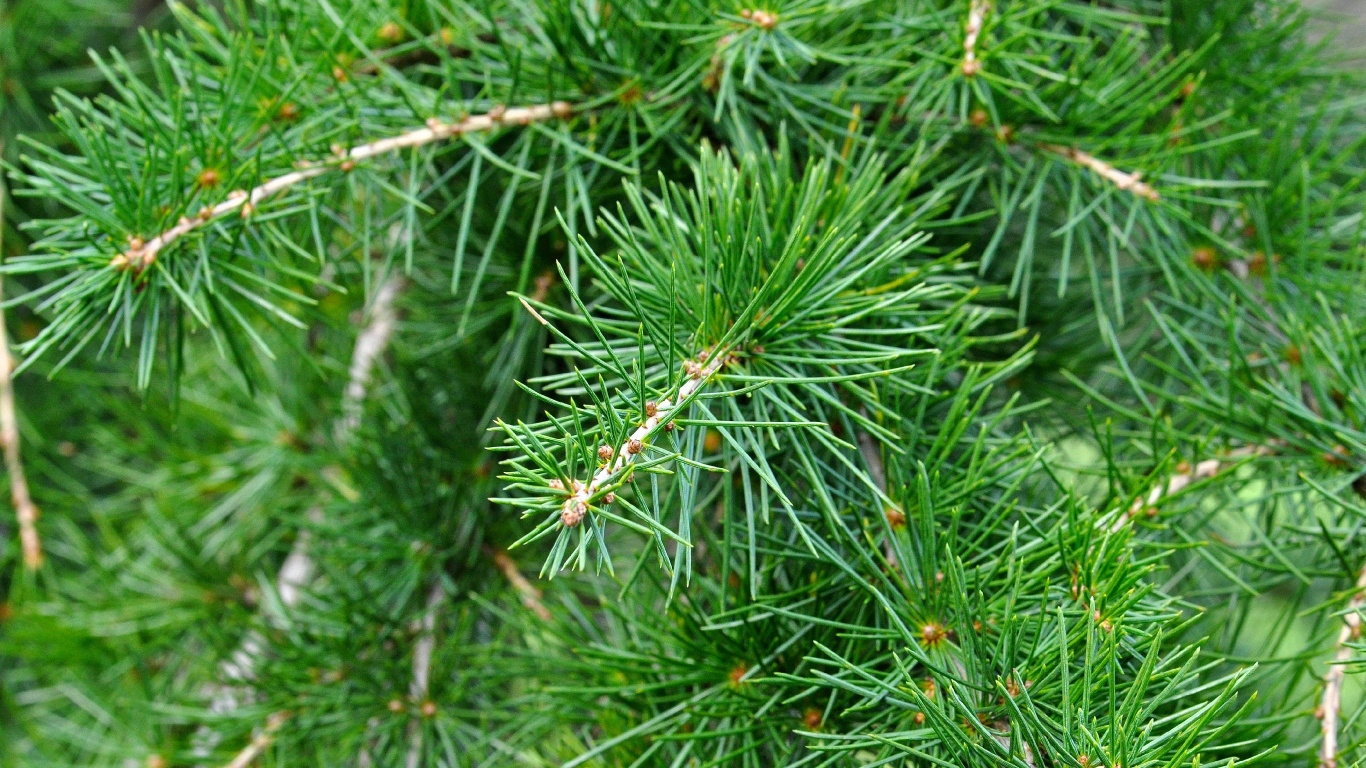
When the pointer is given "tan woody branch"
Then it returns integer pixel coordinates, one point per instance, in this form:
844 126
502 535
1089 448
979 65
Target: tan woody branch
143 253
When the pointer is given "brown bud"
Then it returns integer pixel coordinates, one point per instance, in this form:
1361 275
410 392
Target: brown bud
812 718
496 114
428 708
556 484
208 178
609 498
979 118
395 706
604 452
1205 258
895 517
919 718
634 446
651 408
971 67
289 111
154 761
390 32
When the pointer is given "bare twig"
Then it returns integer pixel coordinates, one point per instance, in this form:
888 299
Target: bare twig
258 744
977 15
1330 705
531 596
141 254
24 508
1129 182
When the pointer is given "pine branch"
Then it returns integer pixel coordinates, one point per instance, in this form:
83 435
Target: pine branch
298 567
140 255
1330 705
24 509
422 668
699 369
370 344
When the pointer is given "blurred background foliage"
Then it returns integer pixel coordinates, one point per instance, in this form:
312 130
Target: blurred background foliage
114 470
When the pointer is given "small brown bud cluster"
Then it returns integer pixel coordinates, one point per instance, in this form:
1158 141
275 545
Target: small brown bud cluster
604 453
651 409
634 446
764 20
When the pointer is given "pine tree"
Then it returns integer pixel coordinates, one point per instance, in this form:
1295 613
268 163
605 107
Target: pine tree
689 383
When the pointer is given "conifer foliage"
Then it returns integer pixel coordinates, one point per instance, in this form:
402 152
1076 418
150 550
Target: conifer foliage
689 383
